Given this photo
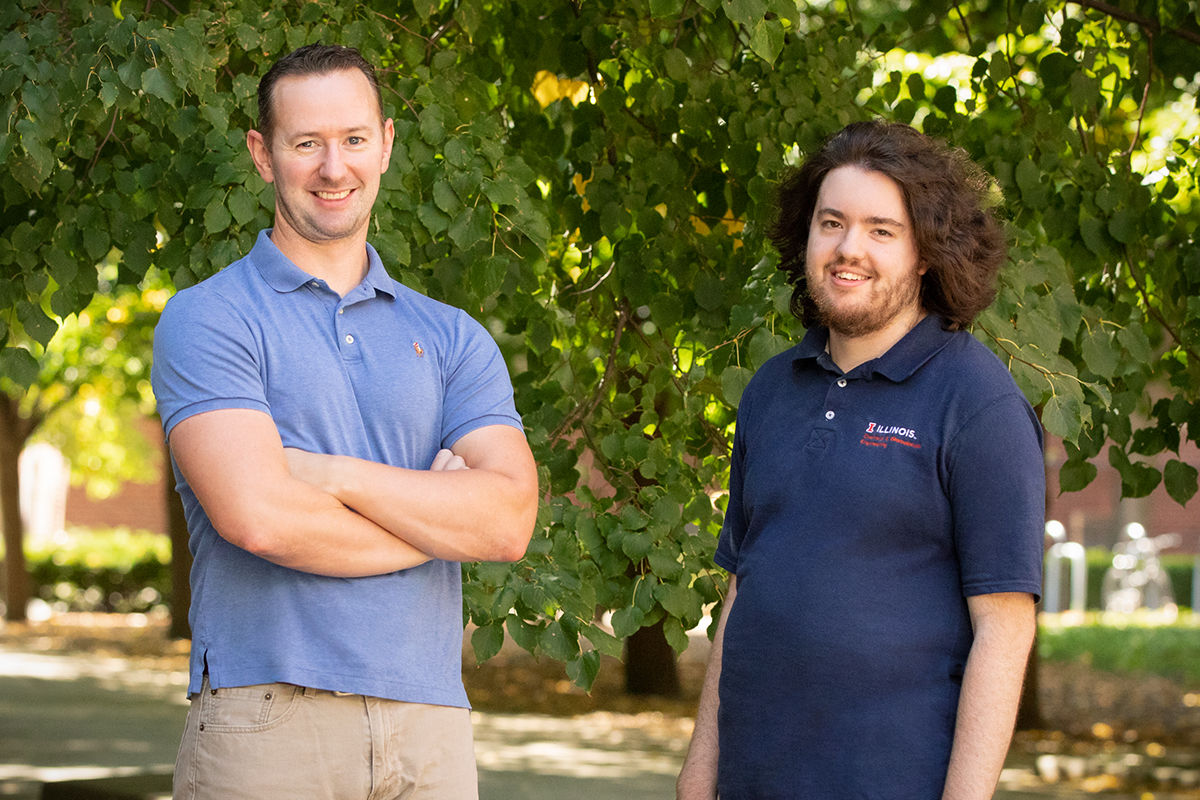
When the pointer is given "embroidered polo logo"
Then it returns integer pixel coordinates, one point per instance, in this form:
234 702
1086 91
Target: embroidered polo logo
877 435
417 348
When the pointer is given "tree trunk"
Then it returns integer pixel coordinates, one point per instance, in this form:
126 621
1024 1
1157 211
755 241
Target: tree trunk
650 666
181 556
16 577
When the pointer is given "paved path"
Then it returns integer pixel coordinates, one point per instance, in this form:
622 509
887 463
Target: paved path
69 719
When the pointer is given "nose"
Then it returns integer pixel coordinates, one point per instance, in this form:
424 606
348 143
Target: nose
851 246
333 167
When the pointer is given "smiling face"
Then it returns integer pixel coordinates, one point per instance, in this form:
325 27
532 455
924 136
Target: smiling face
862 266
328 149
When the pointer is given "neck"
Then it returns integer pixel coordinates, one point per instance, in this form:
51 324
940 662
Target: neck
849 352
341 263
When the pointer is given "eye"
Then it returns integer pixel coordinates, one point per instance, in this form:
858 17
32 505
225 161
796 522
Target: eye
355 140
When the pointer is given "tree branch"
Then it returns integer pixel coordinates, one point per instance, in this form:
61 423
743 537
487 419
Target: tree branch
584 410
1154 312
1145 96
1146 23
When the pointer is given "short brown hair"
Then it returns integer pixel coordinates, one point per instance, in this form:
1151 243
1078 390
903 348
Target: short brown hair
947 196
312 59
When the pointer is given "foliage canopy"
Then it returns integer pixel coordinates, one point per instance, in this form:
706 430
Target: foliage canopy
592 180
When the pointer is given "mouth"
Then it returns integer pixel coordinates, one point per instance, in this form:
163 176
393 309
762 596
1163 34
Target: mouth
333 195
850 276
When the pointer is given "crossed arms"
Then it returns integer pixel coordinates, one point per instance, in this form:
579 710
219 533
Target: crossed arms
346 517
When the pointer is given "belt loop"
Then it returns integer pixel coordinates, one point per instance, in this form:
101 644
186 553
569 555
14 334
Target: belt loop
309 691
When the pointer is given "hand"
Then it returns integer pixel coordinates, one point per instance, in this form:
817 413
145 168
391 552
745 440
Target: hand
445 461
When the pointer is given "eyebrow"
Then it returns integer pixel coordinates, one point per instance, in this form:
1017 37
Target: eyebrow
833 212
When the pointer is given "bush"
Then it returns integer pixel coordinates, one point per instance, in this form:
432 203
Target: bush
1129 646
113 570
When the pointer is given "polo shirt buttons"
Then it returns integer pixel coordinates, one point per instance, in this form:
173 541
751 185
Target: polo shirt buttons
828 415
842 383
349 338
341 311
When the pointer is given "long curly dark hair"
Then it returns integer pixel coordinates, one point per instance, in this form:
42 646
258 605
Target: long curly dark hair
949 201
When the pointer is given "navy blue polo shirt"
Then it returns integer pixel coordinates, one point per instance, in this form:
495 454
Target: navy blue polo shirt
864 507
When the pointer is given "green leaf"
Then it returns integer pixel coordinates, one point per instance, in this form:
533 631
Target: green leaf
1137 479
242 205
158 84
433 125
557 644
767 41
216 216
1074 476
487 640
627 621
745 12
1085 92
603 641
583 669
1124 225
471 226
503 191
1181 481
733 383
39 326
675 61
1134 340
675 635
1099 352
19 366
665 8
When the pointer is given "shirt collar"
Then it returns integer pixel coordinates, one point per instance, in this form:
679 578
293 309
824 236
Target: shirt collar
284 276
905 357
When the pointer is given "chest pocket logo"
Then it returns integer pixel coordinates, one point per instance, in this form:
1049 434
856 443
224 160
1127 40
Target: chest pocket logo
884 435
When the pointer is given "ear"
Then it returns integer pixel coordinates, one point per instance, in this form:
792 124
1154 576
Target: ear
389 136
261 154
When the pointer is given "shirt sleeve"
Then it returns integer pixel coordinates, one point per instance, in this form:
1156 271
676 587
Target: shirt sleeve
997 487
205 358
478 391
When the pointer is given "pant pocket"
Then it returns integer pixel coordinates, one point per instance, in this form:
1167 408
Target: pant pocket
246 709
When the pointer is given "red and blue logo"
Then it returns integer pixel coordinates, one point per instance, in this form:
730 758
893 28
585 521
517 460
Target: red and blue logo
877 435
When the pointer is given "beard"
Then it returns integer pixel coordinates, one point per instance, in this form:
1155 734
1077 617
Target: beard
870 314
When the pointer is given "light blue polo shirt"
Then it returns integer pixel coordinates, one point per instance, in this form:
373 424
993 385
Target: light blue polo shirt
864 508
384 374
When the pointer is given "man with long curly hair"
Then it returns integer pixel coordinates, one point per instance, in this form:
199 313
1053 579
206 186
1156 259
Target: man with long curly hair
886 500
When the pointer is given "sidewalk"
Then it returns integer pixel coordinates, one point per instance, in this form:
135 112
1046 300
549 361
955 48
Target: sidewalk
74 727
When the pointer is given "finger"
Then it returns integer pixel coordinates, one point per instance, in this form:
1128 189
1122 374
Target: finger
440 460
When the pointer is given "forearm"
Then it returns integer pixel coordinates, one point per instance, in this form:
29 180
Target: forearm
234 462
484 513
305 529
987 707
698 778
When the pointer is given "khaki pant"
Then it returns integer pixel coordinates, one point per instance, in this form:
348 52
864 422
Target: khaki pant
283 741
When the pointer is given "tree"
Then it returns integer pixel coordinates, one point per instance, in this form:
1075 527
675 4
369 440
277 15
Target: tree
91 387
591 180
